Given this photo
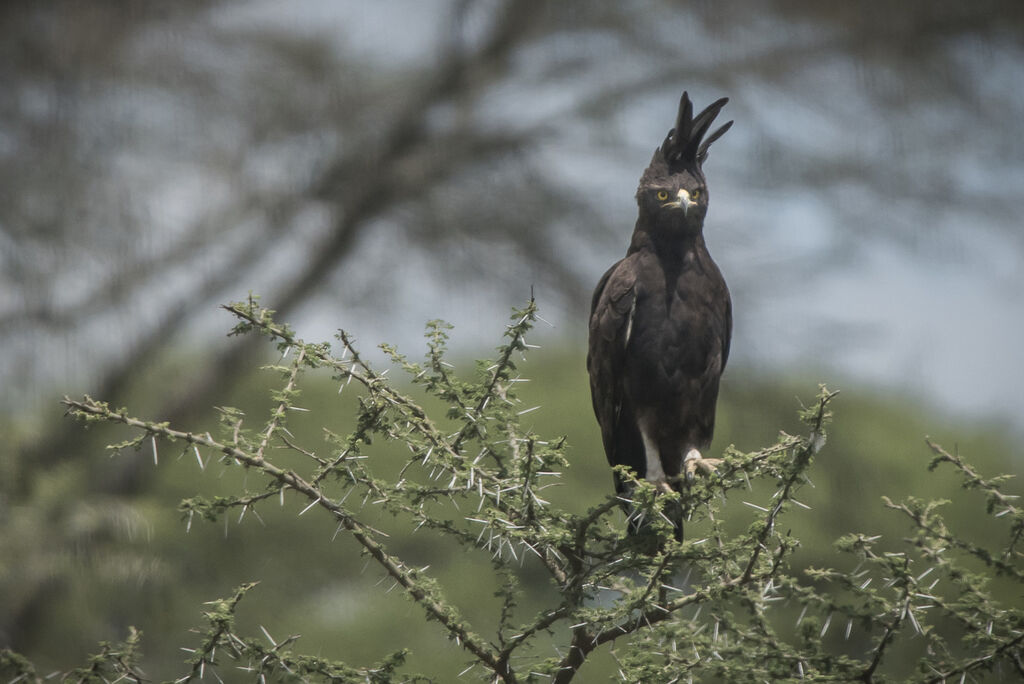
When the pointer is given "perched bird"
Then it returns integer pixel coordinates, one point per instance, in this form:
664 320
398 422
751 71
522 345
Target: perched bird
660 322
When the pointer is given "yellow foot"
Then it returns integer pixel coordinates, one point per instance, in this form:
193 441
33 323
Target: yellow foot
694 463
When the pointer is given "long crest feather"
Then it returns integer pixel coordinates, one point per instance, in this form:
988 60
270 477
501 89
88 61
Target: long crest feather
685 145
702 151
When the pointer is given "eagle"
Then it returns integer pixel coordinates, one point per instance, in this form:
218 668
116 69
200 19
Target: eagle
661 322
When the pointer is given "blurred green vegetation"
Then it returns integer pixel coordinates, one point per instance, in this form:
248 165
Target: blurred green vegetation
77 569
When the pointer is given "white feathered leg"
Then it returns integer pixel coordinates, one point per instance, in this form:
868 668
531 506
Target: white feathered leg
655 472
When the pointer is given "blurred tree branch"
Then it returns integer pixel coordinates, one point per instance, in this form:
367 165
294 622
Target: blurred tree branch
114 115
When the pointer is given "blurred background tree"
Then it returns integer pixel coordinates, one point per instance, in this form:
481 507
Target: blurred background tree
376 166
155 161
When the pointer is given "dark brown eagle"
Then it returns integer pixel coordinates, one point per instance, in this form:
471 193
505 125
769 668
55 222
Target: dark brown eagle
661 320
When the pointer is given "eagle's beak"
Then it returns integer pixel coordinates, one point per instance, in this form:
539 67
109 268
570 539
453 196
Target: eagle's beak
683 201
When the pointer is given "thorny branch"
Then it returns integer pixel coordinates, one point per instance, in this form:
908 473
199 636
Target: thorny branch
612 589
406 577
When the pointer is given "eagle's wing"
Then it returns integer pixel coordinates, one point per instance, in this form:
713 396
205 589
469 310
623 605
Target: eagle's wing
611 325
727 332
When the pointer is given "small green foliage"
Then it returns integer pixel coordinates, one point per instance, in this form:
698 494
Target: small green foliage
114 662
16 667
264 658
730 602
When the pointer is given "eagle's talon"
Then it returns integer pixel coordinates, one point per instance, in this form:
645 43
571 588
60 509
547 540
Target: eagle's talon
694 462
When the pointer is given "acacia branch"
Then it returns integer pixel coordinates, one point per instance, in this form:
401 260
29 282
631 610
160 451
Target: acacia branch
406 577
282 407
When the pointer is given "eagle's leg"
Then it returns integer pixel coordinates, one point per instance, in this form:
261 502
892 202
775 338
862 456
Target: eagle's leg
694 463
655 473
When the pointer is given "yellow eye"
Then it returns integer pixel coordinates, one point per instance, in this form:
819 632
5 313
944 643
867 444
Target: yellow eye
663 195
695 195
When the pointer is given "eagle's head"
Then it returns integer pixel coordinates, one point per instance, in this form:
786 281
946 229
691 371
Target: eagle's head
673 194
